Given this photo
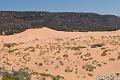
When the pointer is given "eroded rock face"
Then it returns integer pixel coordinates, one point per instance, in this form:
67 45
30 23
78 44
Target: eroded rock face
15 22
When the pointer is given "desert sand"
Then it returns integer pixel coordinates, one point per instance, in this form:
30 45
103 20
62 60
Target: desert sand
72 55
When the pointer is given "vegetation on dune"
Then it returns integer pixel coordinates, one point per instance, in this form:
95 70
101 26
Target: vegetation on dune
45 76
70 55
97 45
88 67
75 47
9 45
104 53
21 74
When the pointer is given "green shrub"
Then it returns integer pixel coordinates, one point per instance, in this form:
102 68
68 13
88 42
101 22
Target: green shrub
21 74
10 78
88 67
52 77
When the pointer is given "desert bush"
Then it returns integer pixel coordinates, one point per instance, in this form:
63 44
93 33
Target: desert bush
11 50
52 77
88 67
87 55
65 55
9 45
104 53
89 74
57 77
31 49
68 70
21 74
75 47
96 45
112 59
118 56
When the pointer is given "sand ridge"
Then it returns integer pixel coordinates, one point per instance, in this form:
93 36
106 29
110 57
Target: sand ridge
72 55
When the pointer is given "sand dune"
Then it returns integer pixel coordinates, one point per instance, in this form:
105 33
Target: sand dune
72 55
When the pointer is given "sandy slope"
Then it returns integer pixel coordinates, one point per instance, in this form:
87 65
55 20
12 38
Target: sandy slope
72 55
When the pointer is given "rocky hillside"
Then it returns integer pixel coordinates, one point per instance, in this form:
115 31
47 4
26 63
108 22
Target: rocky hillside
14 22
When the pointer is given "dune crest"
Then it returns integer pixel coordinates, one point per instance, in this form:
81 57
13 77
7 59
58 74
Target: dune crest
39 31
72 55
42 29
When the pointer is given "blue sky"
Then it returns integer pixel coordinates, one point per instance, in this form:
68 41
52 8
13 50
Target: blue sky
95 6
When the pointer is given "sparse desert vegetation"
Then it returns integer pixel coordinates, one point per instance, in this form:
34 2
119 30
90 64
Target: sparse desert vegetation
21 74
59 55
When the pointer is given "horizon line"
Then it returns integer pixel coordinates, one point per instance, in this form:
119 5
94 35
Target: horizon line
56 12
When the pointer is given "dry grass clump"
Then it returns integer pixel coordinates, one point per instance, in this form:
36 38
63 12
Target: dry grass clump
9 45
68 69
118 56
112 59
45 76
89 74
88 67
97 45
39 64
87 55
104 53
31 49
75 47
11 50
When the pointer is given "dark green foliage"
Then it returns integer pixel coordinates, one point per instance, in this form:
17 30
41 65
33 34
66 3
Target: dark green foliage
9 78
53 77
21 74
